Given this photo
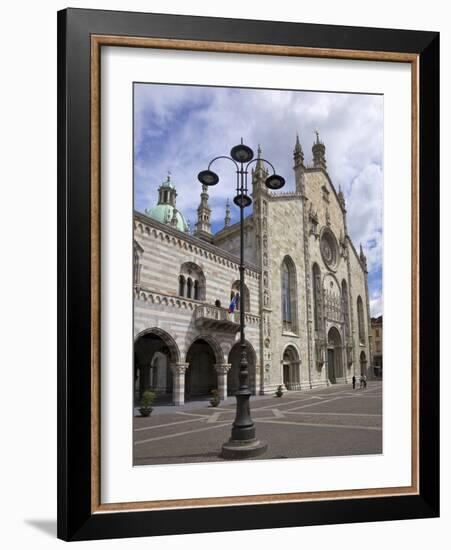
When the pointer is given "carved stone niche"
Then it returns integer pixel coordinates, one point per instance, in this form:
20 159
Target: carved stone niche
320 352
349 350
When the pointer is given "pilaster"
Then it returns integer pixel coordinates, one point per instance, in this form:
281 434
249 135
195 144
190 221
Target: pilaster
178 382
222 369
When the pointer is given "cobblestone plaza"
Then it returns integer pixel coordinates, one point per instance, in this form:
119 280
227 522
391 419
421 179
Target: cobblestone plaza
334 421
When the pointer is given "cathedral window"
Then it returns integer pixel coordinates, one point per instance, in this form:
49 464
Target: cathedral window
289 306
135 267
247 299
181 285
189 287
137 252
191 282
361 321
329 248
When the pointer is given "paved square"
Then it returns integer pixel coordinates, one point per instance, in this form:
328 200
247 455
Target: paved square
334 421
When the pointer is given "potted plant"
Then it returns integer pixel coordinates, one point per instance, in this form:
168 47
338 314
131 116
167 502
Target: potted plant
147 399
279 391
214 401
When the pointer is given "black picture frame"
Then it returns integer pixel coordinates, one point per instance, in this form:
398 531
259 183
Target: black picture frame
76 520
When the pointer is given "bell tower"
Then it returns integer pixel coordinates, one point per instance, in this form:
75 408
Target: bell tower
203 225
319 153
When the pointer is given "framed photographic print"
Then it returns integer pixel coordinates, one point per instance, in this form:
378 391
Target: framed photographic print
248 274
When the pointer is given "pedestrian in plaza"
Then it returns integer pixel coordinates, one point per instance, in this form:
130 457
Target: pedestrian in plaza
361 382
353 382
364 381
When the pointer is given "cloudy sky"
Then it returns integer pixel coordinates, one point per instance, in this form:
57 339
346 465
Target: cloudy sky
181 128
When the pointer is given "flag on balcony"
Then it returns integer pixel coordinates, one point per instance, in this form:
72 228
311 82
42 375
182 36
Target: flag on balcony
234 301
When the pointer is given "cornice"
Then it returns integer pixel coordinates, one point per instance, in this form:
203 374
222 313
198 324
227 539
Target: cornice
199 243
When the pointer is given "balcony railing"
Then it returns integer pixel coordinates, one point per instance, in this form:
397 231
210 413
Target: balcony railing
219 318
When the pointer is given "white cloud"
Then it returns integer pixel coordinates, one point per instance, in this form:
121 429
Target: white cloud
376 305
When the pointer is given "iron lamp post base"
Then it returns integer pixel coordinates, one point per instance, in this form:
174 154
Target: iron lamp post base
236 449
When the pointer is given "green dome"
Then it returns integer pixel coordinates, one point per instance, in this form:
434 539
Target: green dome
163 213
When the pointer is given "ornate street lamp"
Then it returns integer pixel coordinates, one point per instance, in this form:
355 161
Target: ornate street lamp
242 443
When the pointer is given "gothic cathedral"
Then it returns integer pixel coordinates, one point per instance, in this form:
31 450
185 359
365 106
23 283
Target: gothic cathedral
306 298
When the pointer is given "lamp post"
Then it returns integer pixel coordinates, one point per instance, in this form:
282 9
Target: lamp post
242 443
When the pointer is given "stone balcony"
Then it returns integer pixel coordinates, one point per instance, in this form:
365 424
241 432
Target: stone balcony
216 318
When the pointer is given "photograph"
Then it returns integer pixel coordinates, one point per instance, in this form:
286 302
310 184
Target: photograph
257 273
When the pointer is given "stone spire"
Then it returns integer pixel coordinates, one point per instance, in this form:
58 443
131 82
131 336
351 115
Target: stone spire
299 167
341 198
319 153
363 258
203 225
227 215
259 175
298 153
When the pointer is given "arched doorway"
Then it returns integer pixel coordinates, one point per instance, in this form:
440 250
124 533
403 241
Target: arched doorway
200 376
334 356
233 381
363 363
154 350
291 368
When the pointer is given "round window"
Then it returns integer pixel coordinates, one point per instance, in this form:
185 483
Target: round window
329 248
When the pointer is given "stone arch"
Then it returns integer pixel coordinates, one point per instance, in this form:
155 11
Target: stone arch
202 357
234 357
167 339
334 355
154 351
214 344
291 367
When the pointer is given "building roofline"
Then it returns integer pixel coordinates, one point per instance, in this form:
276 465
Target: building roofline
193 240
357 255
315 169
226 231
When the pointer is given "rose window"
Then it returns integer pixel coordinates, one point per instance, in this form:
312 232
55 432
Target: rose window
329 249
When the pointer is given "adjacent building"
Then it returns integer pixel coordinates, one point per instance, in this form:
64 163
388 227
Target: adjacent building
306 296
377 340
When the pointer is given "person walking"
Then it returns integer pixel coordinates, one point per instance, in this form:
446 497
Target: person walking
353 382
361 382
364 381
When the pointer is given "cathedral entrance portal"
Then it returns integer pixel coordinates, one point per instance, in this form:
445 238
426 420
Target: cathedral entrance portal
331 366
334 356
291 368
201 376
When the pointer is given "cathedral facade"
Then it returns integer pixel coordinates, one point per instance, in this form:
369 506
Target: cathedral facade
306 304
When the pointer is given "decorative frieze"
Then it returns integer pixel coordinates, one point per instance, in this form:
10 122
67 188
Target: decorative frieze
152 228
